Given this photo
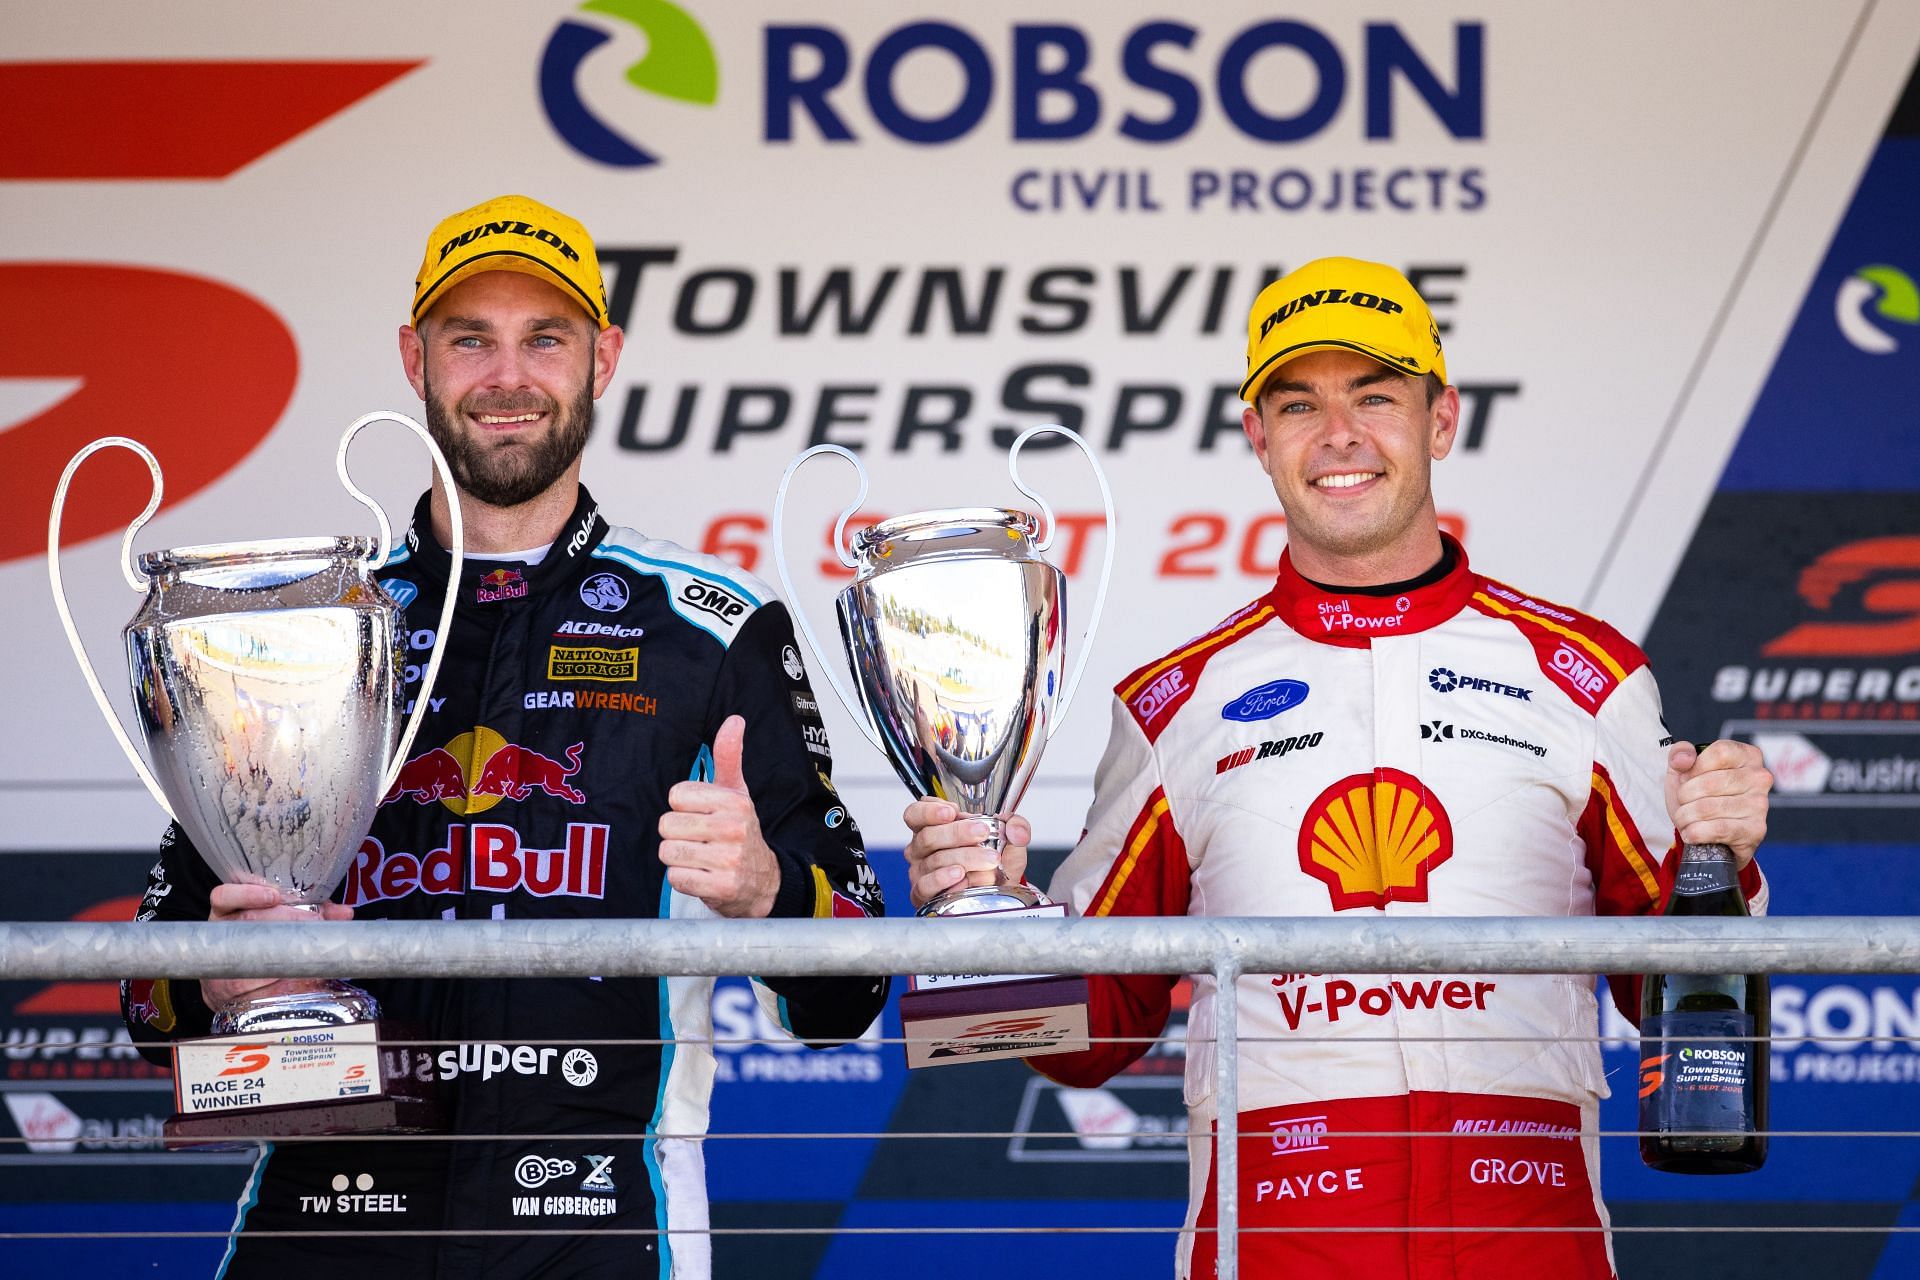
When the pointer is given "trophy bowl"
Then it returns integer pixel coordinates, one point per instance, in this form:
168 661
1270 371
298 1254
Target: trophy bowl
953 630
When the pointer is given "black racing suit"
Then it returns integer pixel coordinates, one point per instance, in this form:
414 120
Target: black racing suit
573 695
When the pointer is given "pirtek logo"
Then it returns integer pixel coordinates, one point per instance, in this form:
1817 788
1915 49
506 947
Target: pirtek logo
511 228
1386 306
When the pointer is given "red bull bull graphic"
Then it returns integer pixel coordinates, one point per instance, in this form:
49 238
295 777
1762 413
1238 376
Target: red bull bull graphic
485 857
477 770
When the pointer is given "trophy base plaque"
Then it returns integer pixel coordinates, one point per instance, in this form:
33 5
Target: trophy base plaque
971 1017
295 1082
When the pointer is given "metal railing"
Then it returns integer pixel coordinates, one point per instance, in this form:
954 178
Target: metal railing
1226 948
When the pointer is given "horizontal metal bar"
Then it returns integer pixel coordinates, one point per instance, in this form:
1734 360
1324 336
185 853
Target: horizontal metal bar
627 948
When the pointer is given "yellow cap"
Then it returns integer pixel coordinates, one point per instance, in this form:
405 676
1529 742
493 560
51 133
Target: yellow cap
1341 304
511 233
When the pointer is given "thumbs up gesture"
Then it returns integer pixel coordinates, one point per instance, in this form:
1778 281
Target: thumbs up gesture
710 840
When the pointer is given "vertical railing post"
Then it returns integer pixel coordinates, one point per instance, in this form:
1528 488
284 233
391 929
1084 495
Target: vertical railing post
1226 1093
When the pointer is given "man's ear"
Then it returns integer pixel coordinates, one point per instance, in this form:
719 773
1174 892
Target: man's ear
1445 423
413 359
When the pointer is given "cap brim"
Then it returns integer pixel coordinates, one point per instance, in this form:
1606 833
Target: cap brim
504 260
1396 361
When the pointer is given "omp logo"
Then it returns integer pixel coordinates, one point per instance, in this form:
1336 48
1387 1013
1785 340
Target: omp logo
1888 293
679 64
1372 838
1300 1133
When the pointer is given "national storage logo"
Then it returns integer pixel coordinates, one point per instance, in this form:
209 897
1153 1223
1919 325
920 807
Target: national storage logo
1039 85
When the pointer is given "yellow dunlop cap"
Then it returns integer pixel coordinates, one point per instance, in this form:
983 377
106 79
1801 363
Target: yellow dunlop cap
1341 304
511 233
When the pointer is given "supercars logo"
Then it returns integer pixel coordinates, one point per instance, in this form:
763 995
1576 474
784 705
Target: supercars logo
1877 581
245 1060
477 770
1875 292
1374 838
679 64
1651 1075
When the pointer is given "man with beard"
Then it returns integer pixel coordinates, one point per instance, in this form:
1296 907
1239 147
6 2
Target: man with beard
633 736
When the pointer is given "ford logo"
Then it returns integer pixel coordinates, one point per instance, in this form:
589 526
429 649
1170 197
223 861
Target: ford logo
1266 701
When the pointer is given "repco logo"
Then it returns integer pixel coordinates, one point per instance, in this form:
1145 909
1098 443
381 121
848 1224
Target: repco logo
708 598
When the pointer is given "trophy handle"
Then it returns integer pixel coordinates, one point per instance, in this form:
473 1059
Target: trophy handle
859 714
1046 540
379 558
127 571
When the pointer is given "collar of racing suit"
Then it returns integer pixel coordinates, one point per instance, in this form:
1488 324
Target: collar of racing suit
564 561
1350 617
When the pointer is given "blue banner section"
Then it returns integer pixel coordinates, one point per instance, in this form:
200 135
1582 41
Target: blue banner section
1837 412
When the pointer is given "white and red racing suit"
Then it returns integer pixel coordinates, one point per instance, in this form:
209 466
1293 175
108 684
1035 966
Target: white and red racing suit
1454 748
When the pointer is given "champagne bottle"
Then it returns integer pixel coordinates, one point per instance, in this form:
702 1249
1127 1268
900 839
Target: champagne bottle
1703 1042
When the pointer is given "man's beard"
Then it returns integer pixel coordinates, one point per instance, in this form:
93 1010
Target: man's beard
506 475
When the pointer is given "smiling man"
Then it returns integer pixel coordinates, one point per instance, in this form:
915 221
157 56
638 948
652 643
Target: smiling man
620 728
1384 733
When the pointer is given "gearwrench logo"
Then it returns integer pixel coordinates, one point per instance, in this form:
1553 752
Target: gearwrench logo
679 64
1887 293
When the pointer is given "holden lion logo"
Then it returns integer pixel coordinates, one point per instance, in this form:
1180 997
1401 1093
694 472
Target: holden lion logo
1372 838
1886 292
678 64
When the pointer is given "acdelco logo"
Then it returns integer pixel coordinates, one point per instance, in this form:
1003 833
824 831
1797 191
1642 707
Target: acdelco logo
708 598
1581 674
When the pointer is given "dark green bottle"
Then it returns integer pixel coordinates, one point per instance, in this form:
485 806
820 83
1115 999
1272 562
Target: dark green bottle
1703 1042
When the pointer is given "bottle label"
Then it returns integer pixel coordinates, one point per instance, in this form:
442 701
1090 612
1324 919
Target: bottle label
1696 879
1696 1072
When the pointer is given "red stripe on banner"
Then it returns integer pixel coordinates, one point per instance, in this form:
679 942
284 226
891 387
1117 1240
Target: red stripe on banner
200 374
68 120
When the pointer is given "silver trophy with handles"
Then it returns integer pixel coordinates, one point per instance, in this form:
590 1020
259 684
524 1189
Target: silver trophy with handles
955 631
268 685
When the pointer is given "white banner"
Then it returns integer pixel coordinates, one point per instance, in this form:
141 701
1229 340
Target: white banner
912 235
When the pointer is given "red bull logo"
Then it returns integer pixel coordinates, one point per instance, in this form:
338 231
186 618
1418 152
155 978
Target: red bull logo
501 584
486 857
477 770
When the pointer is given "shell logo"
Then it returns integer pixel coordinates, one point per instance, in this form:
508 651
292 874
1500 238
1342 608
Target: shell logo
1371 838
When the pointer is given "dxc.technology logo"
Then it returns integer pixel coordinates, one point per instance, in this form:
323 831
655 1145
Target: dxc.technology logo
1891 295
679 64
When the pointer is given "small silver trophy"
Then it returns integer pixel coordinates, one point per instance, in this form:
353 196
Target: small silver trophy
267 680
955 631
